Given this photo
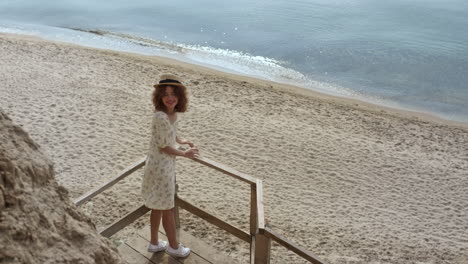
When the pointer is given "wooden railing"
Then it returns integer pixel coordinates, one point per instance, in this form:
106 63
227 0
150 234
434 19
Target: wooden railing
259 236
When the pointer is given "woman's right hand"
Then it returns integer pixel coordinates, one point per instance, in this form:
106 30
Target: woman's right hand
191 153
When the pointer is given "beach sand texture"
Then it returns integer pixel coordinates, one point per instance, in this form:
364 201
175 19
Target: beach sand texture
351 182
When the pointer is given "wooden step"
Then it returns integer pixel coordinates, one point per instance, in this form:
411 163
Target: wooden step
132 256
201 251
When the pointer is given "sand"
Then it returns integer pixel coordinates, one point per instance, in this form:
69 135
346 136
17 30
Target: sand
350 181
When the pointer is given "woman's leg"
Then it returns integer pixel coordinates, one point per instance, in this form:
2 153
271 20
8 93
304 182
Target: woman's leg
155 219
168 221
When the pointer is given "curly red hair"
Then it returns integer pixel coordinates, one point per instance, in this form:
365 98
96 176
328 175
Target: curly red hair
179 91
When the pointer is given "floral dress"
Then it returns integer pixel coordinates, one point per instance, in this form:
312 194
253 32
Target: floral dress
158 185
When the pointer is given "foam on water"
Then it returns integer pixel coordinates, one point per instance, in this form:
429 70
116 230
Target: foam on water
222 59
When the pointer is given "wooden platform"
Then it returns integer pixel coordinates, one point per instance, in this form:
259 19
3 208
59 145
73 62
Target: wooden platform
134 251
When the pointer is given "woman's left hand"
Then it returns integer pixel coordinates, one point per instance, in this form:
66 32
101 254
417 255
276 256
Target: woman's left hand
188 143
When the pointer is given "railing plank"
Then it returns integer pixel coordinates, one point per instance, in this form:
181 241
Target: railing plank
124 221
226 170
292 246
129 170
213 220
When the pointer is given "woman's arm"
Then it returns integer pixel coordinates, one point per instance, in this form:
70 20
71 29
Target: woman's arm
183 141
190 153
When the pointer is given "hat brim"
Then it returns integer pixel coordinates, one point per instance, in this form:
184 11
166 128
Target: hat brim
168 84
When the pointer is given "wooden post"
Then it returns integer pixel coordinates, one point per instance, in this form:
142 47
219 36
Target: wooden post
261 243
262 249
253 220
259 206
252 249
253 209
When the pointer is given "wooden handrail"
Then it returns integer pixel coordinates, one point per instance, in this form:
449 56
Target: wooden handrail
135 166
124 221
213 220
307 255
129 170
226 170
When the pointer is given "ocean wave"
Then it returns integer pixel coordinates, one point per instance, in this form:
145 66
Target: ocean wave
229 61
221 59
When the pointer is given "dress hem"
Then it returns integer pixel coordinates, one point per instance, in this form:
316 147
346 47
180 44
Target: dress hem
158 208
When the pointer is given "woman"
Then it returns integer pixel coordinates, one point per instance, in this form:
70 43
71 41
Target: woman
158 186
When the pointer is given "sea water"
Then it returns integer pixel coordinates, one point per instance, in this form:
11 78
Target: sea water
409 54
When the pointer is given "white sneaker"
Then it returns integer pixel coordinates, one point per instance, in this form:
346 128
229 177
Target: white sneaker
180 252
161 246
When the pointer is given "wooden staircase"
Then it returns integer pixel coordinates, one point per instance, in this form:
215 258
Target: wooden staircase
134 250
259 236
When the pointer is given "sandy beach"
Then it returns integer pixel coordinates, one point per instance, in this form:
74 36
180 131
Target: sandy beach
350 181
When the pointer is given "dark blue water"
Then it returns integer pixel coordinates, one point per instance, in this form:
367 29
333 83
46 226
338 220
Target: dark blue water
401 53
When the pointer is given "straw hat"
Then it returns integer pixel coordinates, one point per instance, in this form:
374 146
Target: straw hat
169 79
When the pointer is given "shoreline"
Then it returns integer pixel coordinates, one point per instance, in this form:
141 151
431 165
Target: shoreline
298 90
402 111
351 183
